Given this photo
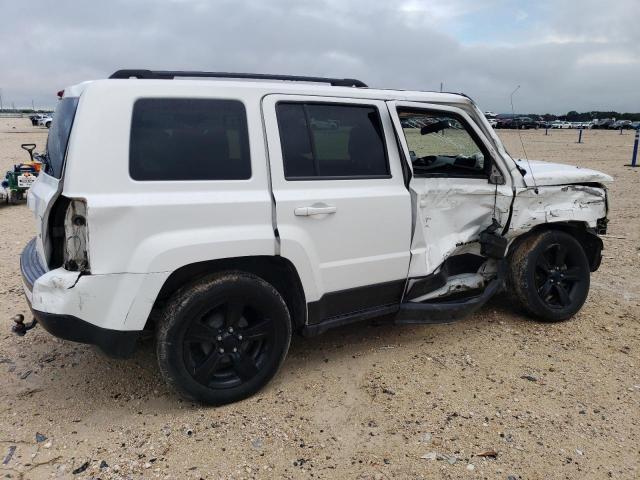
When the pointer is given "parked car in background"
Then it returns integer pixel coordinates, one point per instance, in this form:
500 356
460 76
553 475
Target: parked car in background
493 122
560 124
635 125
523 123
621 124
45 120
35 118
503 122
603 123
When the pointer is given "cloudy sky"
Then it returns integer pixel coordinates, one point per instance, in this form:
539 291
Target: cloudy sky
566 55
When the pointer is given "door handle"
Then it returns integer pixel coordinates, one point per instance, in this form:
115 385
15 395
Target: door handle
314 210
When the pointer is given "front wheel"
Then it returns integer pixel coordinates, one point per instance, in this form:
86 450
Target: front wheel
549 275
222 338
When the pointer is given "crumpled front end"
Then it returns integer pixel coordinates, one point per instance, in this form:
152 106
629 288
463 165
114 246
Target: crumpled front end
583 204
580 210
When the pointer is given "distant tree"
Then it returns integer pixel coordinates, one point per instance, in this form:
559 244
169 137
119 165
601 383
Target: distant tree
572 116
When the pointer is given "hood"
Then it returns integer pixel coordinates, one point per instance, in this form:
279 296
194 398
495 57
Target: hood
548 173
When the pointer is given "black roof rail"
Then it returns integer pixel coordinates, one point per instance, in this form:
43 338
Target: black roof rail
169 75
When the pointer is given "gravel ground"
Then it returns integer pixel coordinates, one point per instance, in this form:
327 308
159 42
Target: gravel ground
494 396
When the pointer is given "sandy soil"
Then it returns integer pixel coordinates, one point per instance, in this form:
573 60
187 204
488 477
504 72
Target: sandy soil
539 401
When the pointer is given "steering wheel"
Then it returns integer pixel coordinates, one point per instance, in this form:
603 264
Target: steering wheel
425 161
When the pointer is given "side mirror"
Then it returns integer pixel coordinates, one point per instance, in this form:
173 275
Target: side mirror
29 147
435 127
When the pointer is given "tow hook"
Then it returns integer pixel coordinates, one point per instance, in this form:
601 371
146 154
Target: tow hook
20 328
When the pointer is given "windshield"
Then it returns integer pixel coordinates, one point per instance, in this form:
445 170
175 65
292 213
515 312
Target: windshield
59 135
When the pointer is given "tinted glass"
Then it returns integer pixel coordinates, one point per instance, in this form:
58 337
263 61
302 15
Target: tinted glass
328 141
189 139
440 144
296 143
59 135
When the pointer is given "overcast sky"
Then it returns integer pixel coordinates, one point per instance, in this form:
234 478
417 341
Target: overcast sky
566 55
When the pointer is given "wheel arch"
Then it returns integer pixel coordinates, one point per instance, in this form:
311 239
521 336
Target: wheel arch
276 270
585 235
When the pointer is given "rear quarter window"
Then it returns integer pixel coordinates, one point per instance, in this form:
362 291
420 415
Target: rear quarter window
189 139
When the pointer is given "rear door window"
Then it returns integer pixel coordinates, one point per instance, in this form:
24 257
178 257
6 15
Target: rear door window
326 141
189 139
59 135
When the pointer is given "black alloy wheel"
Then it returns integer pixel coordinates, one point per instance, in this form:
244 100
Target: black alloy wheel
223 337
549 275
558 274
229 344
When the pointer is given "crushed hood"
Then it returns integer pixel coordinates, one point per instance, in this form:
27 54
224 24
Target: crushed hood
548 173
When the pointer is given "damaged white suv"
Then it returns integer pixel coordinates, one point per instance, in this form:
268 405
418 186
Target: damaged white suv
224 214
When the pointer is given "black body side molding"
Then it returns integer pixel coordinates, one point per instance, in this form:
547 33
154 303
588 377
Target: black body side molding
430 312
446 312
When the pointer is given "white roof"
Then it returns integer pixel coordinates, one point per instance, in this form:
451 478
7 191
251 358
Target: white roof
280 87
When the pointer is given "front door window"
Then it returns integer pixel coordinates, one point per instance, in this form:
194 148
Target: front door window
440 144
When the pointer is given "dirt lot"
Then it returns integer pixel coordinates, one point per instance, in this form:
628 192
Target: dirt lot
539 401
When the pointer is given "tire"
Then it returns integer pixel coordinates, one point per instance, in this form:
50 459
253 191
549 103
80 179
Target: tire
48 124
12 197
549 275
222 338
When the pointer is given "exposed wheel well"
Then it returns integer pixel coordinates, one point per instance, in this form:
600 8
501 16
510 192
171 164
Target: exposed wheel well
278 271
587 237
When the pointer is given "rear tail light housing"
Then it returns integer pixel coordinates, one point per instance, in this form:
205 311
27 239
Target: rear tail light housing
76 237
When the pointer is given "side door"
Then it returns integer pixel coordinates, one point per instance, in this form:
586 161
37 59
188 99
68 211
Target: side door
458 182
342 209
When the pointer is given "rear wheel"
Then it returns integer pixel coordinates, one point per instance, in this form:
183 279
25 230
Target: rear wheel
549 275
223 338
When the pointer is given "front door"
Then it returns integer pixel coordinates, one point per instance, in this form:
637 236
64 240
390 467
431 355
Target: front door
455 182
342 210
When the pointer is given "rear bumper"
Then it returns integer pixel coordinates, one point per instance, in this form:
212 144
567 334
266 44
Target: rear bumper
114 343
30 266
58 300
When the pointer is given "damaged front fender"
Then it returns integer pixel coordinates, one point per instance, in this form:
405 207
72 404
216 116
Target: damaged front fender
580 210
585 204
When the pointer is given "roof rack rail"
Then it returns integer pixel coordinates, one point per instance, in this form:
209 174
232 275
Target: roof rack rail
169 75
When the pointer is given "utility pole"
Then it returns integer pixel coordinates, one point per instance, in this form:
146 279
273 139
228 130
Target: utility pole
33 105
441 85
0 99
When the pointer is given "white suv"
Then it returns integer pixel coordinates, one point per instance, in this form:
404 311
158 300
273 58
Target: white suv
224 214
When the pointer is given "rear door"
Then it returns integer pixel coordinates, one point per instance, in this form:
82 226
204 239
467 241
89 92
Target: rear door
342 210
457 182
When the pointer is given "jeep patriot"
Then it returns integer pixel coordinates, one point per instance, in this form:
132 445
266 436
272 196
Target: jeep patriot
223 212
